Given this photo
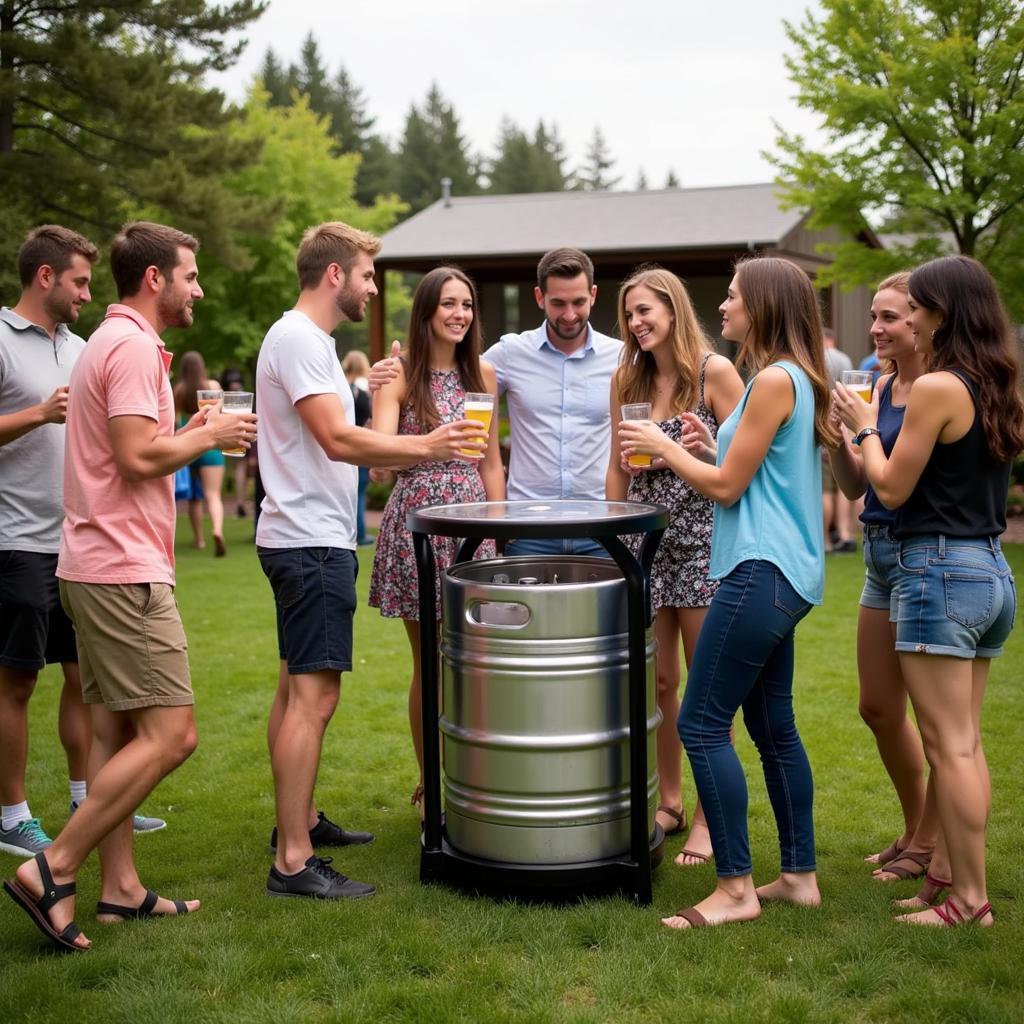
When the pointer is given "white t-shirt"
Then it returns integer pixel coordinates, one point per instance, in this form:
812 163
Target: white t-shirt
311 501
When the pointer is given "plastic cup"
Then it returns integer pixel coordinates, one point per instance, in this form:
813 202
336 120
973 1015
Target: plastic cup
859 382
478 406
638 411
205 397
235 403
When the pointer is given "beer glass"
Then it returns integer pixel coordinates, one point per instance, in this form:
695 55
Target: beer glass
480 407
859 382
236 402
638 411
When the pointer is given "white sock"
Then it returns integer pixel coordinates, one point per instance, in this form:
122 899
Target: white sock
77 787
14 814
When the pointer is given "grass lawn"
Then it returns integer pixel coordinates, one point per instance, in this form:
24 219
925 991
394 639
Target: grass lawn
416 953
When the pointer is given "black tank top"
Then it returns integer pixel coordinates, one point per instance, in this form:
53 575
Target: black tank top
962 491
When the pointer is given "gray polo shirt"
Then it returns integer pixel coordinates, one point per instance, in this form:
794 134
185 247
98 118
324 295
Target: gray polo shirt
32 366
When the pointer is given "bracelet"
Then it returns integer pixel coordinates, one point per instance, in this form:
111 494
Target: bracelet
866 432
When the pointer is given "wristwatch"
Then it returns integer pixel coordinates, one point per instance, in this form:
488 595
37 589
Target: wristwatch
866 432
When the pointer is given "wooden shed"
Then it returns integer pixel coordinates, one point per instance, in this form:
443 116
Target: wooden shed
697 233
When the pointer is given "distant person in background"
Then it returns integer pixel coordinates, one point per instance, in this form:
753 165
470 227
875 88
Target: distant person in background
209 467
356 368
232 380
837 510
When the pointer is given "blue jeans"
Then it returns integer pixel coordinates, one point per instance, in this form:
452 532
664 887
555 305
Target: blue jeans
744 658
556 546
364 482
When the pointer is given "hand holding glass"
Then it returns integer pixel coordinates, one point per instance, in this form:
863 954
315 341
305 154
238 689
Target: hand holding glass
859 382
638 411
479 407
209 397
236 402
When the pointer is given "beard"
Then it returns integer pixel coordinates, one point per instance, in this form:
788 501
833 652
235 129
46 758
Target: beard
351 304
61 309
172 311
566 334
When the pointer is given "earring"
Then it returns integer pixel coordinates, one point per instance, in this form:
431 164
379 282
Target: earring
933 335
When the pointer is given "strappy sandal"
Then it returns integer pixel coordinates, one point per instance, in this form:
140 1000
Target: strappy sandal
952 916
891 852
930 894
902 874
678 816
38 908
144 909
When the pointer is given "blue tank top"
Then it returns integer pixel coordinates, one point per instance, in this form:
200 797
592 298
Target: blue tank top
890 422
777 519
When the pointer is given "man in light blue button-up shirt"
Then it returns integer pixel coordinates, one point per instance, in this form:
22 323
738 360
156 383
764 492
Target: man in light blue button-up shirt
556 380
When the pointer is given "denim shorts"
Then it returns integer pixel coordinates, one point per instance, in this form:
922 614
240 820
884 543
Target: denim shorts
315 598
881 561
955 596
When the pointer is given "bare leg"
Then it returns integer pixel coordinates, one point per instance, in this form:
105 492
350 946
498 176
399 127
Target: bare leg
74 723
412 631
212 479
828 511
733 899
670 750
947 694
295 758
195 517
15 690
277 709
842 514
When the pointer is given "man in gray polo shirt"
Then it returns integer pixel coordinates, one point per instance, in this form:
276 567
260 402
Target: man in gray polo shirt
37 352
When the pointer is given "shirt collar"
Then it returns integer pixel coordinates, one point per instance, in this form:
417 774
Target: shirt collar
19 323
542 339
129 313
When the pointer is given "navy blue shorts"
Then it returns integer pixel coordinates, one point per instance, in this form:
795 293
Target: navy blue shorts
315 598
34 630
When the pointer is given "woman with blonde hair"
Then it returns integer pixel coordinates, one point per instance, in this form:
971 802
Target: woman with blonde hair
768 553
667 361
209 467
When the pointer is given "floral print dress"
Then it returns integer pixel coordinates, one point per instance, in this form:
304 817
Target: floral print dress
394 581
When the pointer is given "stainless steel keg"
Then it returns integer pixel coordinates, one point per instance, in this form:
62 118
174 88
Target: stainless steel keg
535 710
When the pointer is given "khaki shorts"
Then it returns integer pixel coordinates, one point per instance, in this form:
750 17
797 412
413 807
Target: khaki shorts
132 651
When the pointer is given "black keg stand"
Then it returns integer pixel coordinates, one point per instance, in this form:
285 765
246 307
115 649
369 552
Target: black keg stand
604 521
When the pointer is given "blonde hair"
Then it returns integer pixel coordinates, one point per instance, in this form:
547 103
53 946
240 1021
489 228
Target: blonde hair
688 342
333 242
355 364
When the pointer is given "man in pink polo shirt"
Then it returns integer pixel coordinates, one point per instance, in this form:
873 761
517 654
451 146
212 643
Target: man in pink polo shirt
116 571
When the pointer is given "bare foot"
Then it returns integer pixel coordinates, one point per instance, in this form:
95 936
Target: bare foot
62 913
908 865
670 824
800 888
893 850
697 848
720 908
162 908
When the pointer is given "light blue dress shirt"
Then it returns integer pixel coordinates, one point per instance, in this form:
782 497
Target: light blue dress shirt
558 413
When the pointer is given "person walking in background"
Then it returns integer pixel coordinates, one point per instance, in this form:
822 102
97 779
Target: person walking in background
883 691
232 380
667 361
768 553
356 367
209 467
947 477
116 571
441 364
838 512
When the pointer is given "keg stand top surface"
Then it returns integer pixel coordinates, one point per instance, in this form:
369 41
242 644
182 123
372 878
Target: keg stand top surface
531 519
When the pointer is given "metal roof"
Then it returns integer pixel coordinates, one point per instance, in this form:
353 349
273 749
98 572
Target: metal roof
519 225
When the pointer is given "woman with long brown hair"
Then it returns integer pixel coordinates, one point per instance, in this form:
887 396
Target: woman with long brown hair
947 477
668 361
768 553
208 469
440 364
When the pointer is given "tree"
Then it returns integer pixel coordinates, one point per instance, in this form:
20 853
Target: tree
594 175
523 164
671 181
275 80
433 148
103 112
923 108
641 181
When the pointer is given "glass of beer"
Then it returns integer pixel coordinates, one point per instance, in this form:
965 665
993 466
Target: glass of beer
236 402
638 411
859 382
208 397
479 406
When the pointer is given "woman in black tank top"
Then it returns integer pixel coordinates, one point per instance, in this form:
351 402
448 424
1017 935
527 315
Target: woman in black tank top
947 477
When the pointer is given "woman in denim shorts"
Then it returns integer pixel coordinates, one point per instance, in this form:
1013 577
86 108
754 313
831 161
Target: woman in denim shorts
883 693
948 477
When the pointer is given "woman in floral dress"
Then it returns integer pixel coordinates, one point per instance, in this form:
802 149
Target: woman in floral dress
667 361
441 362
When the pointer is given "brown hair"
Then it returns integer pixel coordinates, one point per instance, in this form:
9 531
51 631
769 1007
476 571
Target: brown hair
192 378
689 344
416 357
785 323
975 337
53 246
898 282
143 244
565 262
355 364
333 242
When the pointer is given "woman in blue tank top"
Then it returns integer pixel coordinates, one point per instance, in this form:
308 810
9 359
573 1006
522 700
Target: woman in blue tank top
947 477
767 549
883 692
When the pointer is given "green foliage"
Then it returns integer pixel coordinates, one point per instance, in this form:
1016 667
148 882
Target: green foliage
595 174
523 164
309 183
922 104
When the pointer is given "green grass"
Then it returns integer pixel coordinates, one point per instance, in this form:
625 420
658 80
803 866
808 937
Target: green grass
416 953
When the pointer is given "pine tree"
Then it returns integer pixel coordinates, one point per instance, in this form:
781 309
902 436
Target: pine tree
274 79
641 181
594 175
672 181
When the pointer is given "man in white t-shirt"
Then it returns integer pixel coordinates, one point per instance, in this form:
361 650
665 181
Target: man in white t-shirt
309 452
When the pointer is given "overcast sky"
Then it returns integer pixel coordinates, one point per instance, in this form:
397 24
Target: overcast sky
691 86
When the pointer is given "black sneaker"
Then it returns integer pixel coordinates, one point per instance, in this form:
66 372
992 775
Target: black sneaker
319 881
326 833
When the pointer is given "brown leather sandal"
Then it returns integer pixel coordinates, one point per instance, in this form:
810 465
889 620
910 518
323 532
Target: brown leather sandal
678 816
902 874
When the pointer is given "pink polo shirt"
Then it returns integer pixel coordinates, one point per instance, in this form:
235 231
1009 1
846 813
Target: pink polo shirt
115 530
